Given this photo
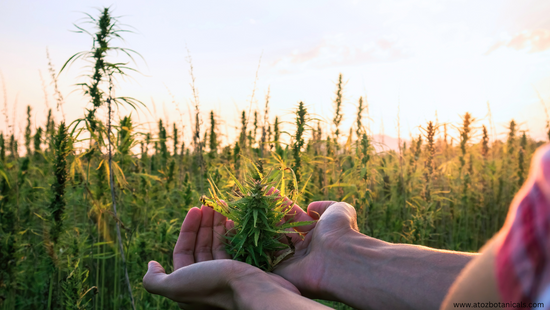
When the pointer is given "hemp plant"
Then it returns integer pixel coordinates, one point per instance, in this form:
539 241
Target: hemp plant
301 114
261 217
62 148
100 82
99 87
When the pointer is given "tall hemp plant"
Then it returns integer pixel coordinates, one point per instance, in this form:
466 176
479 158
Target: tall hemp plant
100 88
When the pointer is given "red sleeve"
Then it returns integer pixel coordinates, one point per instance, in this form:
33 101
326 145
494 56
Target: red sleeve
523 257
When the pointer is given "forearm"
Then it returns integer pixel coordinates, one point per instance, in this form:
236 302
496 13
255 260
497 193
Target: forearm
367 273
259 294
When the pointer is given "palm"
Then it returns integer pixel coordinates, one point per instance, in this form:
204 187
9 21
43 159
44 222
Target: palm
305 269
201 240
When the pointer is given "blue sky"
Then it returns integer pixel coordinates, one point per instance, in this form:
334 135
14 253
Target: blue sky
427 59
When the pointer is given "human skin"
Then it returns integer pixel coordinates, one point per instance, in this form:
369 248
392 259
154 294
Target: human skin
333 262
205 277
478 281
336 262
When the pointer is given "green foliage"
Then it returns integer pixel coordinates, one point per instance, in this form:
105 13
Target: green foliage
521 159
175 139
299 141
485 143
465 136
242 135
259 216
57 220
126 138
2 147
276 131
28 131
162 148
338 106
421 196
62 148
213 144
37 141
359 121
107 30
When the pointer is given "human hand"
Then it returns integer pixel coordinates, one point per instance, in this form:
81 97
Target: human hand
336 262
317 253
204 276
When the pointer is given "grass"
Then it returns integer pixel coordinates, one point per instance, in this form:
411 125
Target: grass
57 197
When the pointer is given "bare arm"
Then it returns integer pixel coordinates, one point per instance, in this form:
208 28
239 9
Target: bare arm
398 276
336 262
261 292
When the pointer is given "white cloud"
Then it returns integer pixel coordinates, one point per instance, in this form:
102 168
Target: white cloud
335 52
533 41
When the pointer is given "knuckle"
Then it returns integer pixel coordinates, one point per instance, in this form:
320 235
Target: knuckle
203 249
350 208
184 252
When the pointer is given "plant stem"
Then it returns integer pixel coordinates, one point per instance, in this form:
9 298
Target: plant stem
50 292
112 184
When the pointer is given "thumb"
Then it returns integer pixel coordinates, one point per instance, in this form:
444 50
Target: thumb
317 208
154 279
341 214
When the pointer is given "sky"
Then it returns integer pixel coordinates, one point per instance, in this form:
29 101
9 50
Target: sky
413 60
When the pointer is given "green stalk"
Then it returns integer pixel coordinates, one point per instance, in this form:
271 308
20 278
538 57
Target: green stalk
100 288
103 287
242 136
485 143
2 148
57 206
338 108
521 159
28 132
359 121
265 126
213 143
50 291
115 301
112 185
37 141
175 138
299 141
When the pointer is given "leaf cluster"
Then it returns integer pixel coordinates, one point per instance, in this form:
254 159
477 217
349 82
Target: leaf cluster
261 218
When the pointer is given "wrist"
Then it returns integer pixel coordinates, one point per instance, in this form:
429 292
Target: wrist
347 265
262 291
251 290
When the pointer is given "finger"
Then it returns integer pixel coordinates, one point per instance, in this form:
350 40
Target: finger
273 191
229 227
218 239
204 283
341 214
203 245
295 214
154 280
185 246
317 208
